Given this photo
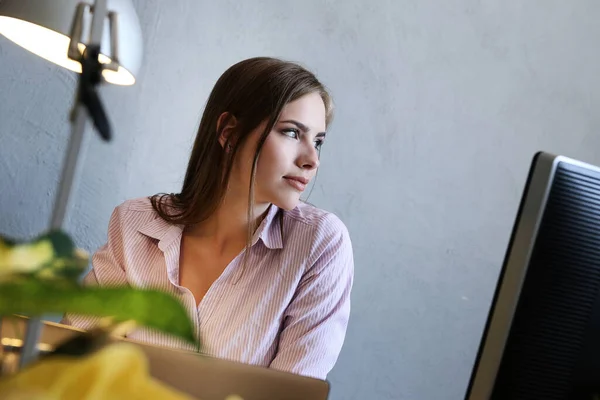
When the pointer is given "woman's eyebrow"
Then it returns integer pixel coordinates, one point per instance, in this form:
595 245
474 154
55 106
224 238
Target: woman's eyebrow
302 127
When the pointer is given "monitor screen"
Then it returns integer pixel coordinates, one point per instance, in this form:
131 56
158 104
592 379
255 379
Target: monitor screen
542 336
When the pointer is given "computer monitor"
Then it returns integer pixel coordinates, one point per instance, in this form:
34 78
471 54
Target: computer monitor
542 336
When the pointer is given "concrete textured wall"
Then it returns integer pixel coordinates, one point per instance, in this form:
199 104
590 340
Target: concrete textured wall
440 107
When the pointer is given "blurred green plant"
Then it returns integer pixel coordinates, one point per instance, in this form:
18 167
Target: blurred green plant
41 276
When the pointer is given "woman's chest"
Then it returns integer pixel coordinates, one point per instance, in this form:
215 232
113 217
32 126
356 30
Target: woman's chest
239 307
199 271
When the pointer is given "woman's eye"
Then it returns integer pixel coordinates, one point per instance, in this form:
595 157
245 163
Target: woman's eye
293 133
318 144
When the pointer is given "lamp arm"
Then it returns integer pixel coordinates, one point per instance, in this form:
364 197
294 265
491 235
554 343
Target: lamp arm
86 101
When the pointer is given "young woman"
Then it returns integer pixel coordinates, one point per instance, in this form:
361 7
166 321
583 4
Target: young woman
266 278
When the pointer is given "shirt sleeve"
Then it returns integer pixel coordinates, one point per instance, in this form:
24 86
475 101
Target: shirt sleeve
316 320
107 268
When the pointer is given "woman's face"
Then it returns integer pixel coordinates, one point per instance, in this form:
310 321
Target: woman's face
289 157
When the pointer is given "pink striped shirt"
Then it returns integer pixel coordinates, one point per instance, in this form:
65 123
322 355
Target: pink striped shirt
288 309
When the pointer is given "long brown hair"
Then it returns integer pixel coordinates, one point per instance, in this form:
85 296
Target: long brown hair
253 91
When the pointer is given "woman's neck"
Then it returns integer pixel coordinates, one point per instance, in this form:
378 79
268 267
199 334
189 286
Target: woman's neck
228 226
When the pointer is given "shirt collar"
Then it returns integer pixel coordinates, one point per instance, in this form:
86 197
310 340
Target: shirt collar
161 230
269 231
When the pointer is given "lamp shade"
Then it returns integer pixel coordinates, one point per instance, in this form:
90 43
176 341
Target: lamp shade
43 27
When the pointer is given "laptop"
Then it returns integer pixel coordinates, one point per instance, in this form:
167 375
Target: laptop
197 375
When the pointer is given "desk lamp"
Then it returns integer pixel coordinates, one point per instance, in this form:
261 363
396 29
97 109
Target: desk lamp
100 41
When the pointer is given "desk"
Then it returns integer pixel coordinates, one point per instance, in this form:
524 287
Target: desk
200 376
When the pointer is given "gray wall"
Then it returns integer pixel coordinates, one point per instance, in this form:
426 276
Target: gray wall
440 106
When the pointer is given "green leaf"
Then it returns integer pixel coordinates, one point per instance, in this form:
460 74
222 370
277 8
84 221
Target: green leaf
149 308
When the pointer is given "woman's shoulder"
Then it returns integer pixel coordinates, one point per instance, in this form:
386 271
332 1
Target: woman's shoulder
135 212
323 222
330 243
136 205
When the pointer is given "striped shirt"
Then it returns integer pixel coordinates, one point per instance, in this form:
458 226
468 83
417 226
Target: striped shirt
288 309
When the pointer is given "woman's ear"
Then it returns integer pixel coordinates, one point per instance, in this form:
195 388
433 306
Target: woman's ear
226 125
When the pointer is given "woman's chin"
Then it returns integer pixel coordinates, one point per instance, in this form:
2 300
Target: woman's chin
287 204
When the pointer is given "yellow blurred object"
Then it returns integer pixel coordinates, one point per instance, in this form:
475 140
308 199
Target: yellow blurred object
24 258
118 371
